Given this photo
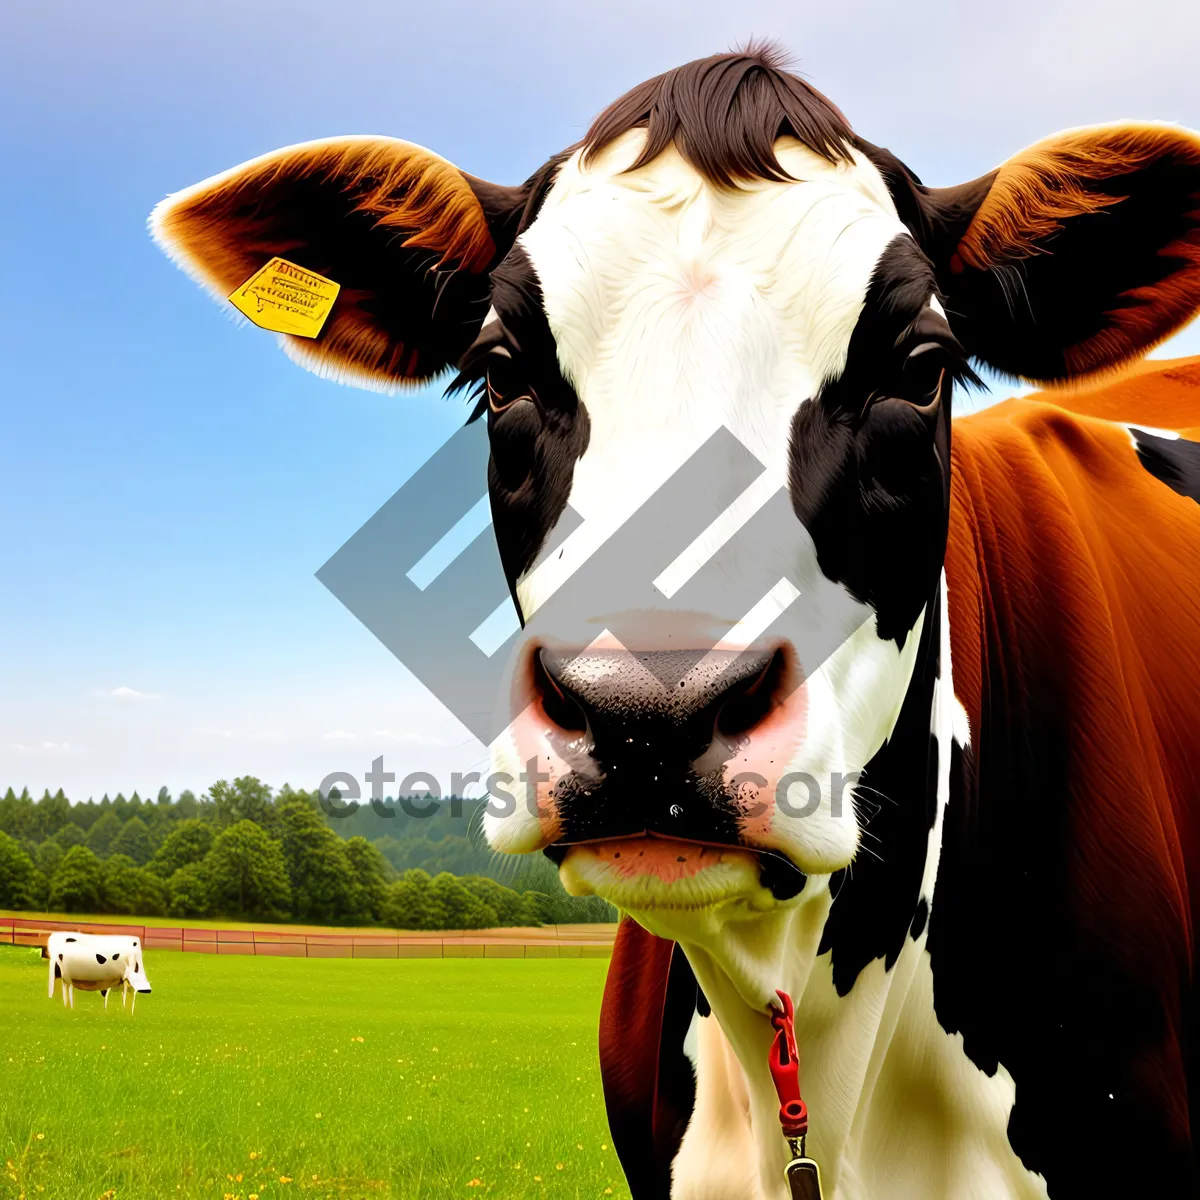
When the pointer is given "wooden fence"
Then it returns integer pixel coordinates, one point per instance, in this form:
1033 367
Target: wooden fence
549 941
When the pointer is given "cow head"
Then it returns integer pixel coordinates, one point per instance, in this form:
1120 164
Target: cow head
134 974
721 252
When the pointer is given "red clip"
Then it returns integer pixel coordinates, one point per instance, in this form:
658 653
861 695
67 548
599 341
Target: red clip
785 1070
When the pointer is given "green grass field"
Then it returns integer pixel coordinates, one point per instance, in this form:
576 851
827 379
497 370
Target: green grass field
275 1077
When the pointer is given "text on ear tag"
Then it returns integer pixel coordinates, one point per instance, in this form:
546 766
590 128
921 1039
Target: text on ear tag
285 298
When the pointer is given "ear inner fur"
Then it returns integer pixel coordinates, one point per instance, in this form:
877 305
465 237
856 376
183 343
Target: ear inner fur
416 210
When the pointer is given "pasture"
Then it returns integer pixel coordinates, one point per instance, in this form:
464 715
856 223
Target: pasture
273 1077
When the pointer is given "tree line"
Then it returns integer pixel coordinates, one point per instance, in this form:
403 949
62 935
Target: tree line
244 851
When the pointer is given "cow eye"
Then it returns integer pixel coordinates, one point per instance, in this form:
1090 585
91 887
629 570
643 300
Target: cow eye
923 374
504 384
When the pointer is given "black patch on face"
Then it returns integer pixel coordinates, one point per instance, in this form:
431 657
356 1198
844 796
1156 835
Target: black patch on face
1175 461
71 939
537 426
875 904
101 959
869 464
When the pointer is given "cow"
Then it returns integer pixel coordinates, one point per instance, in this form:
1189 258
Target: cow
96 963
985 909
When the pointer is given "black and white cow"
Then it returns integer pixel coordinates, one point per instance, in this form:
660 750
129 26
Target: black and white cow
96 963
994 983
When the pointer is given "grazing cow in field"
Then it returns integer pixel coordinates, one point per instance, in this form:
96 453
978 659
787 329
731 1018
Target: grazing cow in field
985 908
96 963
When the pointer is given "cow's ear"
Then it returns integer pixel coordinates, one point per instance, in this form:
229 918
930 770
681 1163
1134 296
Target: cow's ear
409 238
1075 256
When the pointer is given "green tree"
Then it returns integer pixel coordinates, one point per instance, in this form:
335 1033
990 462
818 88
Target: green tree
164 798
53 812
190 892
187 807
187 843
245 799
133 839
464 910
510 907
76 886
101 835
371 871
248 873
118 884
151 894
19 884
49 855
127 888
70 835
410 903
324 884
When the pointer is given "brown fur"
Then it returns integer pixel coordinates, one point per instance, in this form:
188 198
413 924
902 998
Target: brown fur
302 202
1039 191
724 114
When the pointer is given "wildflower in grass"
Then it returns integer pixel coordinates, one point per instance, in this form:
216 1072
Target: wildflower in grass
318 1116
285 1179
537 1179
238 1177
39 1136
253 1196
558 1166
253 1155
475 1183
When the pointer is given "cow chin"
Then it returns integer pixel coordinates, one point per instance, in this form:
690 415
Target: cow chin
650 874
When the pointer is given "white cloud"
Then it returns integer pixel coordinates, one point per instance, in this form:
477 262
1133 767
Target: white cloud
339 735
128 693
46 748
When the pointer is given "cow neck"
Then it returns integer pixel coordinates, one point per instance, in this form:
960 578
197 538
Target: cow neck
850 948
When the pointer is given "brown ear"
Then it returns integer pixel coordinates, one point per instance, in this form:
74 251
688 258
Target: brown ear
1073 257
402 231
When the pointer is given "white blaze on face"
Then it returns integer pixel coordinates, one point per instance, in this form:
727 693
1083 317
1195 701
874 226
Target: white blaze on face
678 307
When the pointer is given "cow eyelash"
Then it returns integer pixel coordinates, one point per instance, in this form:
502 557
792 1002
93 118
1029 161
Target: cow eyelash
952 368
476 379
503 393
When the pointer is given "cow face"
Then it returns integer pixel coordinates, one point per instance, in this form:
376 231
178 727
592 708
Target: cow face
721 253
134 974
642 311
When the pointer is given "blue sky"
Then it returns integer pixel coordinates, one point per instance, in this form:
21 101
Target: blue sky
171 481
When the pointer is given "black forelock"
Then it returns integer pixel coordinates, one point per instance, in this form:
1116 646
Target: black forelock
724 114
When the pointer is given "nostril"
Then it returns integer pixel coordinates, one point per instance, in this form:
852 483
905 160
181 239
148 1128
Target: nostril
560 706
750 700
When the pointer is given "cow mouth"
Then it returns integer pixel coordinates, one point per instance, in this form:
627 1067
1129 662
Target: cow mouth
649 870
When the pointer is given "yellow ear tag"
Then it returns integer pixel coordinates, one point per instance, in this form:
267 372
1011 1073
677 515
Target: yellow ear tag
285 298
